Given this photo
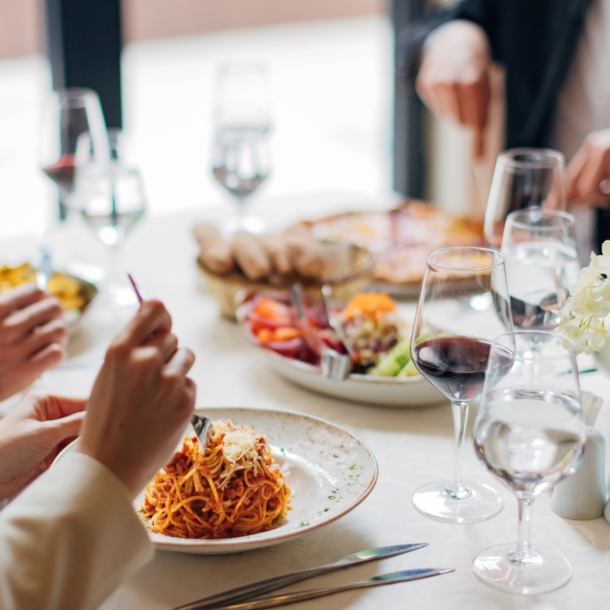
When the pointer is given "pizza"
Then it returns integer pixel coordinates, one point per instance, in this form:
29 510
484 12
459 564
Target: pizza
401 238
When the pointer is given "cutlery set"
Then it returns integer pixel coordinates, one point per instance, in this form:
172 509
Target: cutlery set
248 597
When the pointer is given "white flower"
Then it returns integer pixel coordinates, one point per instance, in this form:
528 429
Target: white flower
582 318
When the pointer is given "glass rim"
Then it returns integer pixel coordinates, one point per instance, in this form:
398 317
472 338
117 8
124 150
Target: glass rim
495 255
547 157
566 216
545 333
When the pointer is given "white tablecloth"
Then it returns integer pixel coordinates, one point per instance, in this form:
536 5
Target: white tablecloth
412 446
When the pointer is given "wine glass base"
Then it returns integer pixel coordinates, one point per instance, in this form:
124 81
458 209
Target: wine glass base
435 501
546 570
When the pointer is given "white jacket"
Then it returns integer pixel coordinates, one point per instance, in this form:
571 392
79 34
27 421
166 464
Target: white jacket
69 539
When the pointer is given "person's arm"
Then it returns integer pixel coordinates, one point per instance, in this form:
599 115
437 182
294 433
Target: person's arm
448 58
32 435
72 536
33 337
589 170
69 539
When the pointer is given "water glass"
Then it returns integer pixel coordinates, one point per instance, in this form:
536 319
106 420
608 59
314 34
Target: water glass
529 433
524 178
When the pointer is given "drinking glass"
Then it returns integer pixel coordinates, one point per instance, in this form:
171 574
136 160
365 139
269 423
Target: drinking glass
529 433
67 114
539 249
111 199
523 178
240 158
463 305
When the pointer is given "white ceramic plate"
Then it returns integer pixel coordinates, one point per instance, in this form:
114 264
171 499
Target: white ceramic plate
379 391
329 472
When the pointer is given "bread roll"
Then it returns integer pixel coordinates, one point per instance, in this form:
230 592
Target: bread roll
215 251
304 253
277 249
251 256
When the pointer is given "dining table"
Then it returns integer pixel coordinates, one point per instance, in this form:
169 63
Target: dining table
412 446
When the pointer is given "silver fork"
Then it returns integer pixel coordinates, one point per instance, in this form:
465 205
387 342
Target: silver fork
333 365
202 425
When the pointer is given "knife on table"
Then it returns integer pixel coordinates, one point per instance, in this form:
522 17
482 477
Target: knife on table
271 584
299 596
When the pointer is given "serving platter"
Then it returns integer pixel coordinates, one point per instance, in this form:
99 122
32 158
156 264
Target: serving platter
402 238
328 470
75 294
368 389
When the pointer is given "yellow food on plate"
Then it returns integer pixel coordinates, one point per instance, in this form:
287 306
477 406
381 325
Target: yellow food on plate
65 287
234 489
371 304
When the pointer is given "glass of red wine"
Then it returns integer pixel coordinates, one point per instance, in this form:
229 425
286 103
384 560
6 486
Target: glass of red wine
463 305
66 115
529 433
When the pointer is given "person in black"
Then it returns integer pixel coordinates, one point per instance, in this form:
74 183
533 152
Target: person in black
542 44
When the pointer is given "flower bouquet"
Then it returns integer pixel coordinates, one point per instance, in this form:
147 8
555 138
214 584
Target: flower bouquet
584 316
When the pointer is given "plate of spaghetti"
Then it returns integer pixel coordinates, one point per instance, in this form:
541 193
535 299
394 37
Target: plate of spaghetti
266 477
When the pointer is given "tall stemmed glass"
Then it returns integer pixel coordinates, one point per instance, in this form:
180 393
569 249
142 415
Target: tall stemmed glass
539 249
524 178
455 323
111 199
240 158
529 433
67 114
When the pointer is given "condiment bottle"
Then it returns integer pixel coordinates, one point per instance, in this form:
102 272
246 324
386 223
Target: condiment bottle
583 495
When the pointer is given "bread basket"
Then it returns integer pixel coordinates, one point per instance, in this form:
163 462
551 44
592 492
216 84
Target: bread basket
230 289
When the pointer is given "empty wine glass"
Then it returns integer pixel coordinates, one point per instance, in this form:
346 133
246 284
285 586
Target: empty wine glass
529 433
523 178
539 249
240 158
67 114
450 347
111 199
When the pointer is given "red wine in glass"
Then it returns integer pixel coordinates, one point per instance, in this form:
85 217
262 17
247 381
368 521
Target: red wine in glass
456 365
62 172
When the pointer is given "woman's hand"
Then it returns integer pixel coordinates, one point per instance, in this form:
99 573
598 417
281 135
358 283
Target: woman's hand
33 337
141 401
453 78
589 170
32 435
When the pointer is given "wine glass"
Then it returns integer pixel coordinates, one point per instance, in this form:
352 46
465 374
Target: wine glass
111 199
539 249
67 114
529 433
523 178
240 158
450 347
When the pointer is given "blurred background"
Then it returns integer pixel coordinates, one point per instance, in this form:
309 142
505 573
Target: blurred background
340 123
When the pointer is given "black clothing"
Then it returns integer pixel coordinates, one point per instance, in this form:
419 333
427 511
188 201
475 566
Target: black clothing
534 40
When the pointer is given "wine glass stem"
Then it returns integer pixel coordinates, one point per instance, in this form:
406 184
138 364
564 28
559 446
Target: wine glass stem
460 418
241 207
523 552
114 267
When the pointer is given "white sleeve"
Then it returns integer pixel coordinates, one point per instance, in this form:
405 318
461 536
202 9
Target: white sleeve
69 539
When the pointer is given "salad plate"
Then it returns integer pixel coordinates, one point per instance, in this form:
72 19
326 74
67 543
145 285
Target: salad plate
369 328
368 389
328 471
